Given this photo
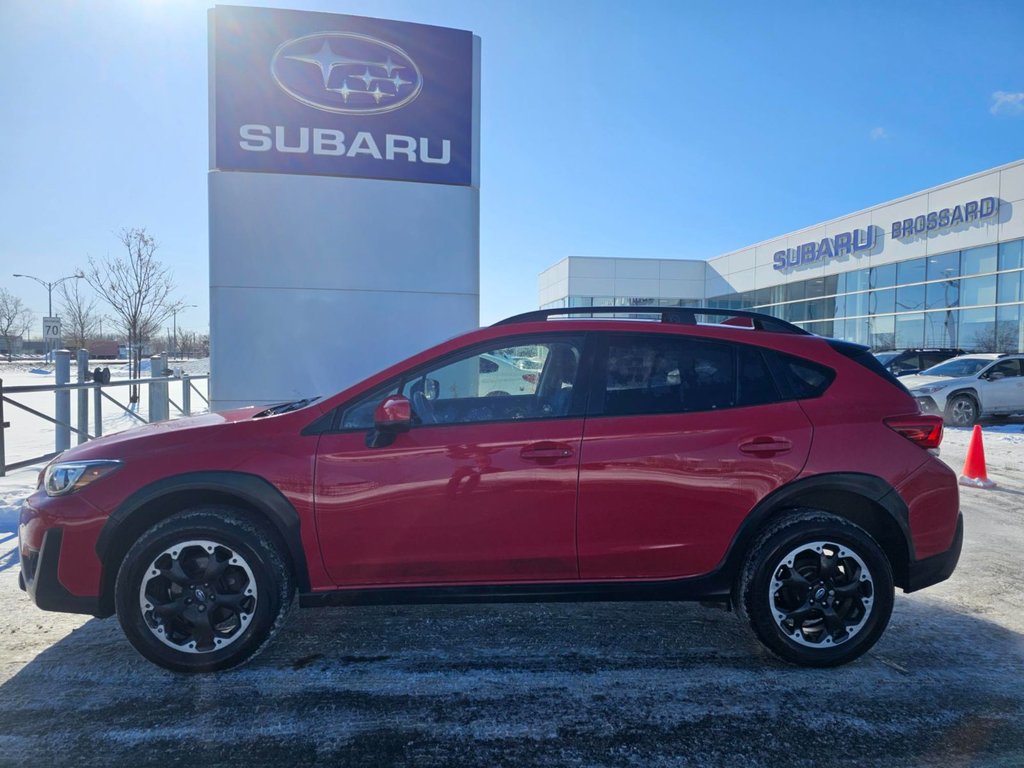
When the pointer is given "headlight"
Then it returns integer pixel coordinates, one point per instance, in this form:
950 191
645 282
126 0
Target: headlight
928 389
69 476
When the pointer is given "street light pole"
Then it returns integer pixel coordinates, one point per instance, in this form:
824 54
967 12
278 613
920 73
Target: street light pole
49 286
174 316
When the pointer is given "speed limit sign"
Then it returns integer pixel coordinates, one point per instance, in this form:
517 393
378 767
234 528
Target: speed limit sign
51 328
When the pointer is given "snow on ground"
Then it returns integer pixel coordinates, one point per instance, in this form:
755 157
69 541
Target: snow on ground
30 436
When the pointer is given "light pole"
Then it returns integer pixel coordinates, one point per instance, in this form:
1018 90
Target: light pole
174 316
49 293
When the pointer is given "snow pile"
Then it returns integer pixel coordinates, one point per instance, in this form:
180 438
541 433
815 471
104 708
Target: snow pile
14 489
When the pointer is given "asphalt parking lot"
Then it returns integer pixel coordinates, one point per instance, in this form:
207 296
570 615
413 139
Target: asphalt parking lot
560 685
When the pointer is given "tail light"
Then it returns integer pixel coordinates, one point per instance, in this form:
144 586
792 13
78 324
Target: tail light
530 378
925 431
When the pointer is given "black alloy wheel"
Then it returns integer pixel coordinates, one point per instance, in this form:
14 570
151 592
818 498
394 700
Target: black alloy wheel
816 590
204 590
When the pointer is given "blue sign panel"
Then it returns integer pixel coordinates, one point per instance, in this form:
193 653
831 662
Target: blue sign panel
327 94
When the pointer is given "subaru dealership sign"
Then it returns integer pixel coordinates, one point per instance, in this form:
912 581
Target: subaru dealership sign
327 94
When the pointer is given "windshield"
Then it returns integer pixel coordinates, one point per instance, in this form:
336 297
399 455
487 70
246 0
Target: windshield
885 357
957 367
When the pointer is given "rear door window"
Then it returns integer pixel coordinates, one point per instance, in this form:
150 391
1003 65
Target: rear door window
651 374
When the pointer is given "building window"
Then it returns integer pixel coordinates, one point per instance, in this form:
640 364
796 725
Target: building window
1010 254
1009 287
856 304
882 302
978 290
940 329
912 271
883 276
943 295
977 329
910 298
1008 329
883 332
857 281
909 330
978 261
796 291
944 266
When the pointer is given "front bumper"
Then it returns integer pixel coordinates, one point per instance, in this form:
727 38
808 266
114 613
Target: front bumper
38 577
927 404
932 570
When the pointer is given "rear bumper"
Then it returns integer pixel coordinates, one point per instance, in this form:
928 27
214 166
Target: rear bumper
38 577
932 570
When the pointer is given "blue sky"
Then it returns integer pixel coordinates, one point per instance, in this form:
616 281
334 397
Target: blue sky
647 129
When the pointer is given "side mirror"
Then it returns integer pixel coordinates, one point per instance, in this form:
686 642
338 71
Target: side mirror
431 389
995 375
394 414
390 418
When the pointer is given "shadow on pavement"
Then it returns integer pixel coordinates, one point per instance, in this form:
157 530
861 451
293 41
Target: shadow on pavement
558 684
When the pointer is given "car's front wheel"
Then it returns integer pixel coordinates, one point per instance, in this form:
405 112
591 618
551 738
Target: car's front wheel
816 590
961 411
202 591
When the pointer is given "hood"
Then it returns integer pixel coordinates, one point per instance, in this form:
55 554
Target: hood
917 381
118 444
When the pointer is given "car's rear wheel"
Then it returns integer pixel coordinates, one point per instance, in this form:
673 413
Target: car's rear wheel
204 590
816 590
961 411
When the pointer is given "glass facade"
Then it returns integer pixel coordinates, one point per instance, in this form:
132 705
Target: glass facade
969 299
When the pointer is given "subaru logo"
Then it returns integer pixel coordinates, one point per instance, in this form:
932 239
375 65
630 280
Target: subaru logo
346 73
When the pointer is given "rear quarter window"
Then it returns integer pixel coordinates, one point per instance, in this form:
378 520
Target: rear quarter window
803 378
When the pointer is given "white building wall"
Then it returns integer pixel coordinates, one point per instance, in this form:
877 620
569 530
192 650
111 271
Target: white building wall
1006 183
751 268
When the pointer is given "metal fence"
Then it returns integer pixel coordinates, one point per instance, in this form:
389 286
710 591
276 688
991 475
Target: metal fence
159 396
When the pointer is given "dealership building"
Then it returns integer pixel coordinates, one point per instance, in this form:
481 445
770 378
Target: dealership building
941 267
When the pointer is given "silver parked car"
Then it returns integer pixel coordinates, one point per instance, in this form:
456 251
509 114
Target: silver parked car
970 386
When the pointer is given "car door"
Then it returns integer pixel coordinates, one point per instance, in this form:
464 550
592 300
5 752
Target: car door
1001 387
683 438
482 488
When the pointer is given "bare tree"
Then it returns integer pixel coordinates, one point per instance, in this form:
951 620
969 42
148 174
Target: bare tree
998 337
193 343
78 310
15 319
138 289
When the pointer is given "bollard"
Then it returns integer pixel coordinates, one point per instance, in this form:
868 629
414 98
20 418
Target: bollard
97 410
186 395
62 398
159 409
83 396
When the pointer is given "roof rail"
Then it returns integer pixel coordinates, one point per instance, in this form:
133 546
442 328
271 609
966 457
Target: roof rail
681 315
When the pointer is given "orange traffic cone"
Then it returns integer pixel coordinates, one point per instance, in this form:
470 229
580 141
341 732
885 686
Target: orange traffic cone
974 468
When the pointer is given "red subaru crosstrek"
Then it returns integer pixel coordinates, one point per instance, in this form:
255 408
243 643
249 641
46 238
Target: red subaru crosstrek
745 461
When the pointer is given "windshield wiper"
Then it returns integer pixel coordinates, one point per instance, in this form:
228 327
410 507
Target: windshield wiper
295 405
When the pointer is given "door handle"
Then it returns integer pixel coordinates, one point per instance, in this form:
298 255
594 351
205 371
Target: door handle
546 450
766 445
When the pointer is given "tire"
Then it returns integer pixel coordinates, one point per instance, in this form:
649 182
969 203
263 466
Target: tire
962 411
189 612
815 556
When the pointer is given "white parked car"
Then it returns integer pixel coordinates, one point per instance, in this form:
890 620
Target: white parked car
970 386
499 376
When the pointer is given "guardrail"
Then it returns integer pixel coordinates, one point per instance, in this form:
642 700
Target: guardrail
160 403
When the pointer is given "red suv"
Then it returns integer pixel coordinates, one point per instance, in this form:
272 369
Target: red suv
745 461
